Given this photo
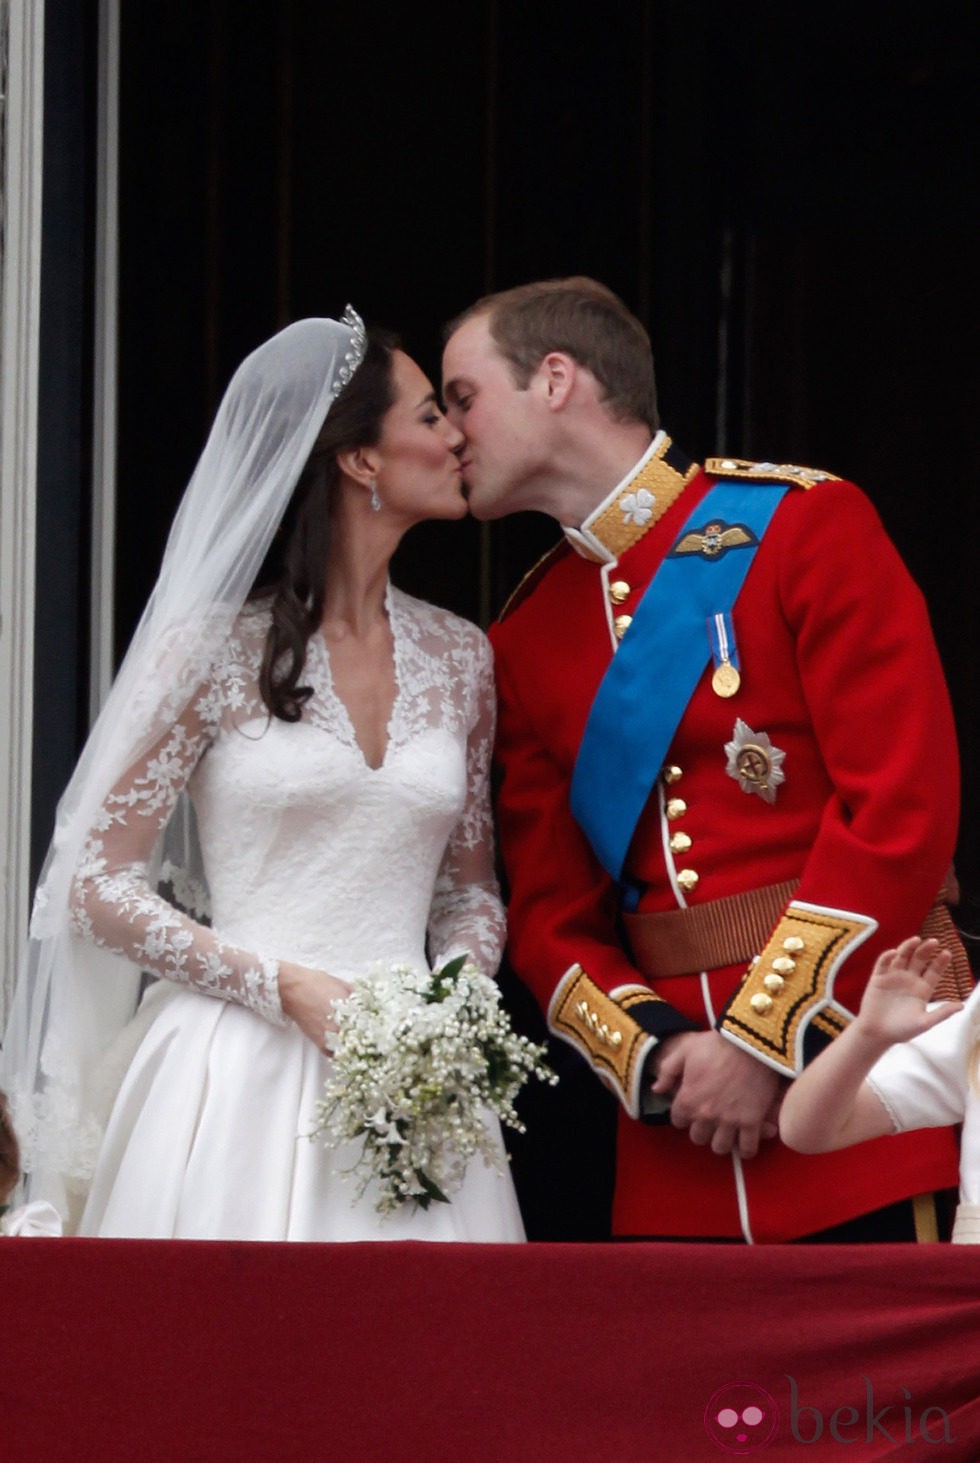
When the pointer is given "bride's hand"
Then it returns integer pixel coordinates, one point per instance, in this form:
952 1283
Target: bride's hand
307 998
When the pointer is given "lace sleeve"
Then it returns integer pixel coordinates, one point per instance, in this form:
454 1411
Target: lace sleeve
467 916
113 903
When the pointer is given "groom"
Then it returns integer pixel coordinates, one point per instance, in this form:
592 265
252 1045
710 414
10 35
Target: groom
729 772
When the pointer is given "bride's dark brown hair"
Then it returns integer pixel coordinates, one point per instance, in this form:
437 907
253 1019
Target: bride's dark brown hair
9 1154
294 571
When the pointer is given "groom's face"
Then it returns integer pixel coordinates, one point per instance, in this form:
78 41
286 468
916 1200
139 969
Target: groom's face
500 421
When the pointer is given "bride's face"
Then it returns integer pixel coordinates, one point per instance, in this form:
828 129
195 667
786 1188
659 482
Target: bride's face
418 473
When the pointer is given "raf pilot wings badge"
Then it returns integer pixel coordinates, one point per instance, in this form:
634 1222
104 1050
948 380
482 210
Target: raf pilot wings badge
714 540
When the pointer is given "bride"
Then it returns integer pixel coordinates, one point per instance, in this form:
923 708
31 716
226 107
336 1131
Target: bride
302 751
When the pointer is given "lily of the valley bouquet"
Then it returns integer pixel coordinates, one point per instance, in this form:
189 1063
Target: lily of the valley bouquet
418 1059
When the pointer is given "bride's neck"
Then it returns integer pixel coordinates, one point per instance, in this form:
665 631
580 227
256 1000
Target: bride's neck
357 571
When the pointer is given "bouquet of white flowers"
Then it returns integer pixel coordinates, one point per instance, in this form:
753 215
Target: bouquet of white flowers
418 1059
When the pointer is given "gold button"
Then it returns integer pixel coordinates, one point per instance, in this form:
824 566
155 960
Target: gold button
619 591
676 808
761 1003
784 964
621 624
688 879
680 842
773 983
794 944
672 774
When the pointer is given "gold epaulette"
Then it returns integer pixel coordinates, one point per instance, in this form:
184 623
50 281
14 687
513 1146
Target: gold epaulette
601 1028
533 577
791 984
767 472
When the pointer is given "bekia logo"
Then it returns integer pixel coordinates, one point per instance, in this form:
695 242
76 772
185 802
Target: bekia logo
742 1417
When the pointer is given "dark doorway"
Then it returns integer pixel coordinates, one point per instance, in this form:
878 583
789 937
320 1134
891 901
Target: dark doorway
781 195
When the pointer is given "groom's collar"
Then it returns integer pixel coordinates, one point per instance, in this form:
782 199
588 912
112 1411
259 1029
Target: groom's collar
633 507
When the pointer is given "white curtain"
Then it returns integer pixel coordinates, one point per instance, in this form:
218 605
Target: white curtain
21 119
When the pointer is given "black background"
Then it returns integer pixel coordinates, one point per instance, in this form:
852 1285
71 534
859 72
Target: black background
783 193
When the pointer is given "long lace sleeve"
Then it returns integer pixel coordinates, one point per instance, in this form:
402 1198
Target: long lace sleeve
467 916
113 903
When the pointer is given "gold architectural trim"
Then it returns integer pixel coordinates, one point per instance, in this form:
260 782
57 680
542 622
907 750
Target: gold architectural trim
925 1219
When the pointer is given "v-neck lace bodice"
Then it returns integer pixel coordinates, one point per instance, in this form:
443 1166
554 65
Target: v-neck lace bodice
334 708
310 854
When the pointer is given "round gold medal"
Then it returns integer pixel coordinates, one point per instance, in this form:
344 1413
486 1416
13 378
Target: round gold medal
726 680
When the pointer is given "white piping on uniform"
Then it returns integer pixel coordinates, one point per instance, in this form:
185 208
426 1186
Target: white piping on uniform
668 851
607 606
743 1198
738 1173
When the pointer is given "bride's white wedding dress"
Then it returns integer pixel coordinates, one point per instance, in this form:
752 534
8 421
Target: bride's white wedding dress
313 856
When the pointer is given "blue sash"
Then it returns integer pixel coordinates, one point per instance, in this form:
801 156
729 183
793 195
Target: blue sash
660 660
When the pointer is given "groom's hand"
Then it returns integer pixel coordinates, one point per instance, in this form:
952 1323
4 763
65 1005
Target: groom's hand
723 1097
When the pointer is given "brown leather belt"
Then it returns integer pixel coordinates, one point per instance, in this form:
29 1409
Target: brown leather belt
732 930
725 931
938 924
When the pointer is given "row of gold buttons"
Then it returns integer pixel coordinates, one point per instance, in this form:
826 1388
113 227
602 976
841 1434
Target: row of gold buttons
680 842
619 593
594 1023
775 978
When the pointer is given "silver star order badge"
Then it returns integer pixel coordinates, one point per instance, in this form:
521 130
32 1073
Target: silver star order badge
753 761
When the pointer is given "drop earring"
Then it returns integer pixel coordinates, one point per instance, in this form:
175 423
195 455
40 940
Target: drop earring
375 500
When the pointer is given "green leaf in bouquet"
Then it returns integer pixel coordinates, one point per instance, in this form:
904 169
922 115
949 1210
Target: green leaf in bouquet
431 1192
499 1070
442 980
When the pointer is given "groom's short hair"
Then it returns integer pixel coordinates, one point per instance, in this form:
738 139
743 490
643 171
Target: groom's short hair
584 319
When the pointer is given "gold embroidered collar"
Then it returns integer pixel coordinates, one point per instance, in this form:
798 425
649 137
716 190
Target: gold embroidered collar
632 508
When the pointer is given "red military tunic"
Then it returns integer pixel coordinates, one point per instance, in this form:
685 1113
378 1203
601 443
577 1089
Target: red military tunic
839 671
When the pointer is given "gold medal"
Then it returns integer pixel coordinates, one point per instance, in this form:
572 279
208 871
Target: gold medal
726 680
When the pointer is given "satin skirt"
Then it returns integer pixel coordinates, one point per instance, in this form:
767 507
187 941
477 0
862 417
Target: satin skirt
208 1139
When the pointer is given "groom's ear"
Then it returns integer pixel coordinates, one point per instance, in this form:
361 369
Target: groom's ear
359 463
556 376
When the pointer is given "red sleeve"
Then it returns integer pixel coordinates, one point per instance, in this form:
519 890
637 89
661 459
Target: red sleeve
874 688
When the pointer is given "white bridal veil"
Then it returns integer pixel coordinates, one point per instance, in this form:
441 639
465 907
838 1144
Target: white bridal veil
73 1000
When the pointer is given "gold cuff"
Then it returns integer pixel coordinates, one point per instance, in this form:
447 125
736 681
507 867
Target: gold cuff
601 1029
792 983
